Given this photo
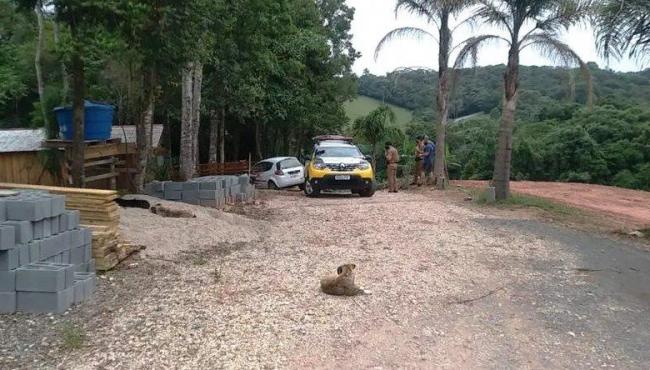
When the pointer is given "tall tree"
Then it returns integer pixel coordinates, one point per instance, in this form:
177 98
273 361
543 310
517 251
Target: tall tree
528 23
439 14
623 27
373 128
37 59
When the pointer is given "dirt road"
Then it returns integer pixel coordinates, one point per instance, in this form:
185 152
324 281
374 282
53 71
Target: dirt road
632 206
452 288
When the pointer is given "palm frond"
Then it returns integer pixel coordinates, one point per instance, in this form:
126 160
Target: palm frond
470 48
421 8
490 12
557 51
623 27
403 32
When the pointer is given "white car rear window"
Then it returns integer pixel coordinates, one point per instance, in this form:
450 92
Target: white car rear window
290 163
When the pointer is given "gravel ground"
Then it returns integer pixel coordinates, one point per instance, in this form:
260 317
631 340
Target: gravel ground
451 288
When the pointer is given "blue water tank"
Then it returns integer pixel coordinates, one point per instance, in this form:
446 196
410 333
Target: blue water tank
98 120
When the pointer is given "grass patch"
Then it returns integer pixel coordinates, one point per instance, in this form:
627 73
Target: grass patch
200 261
526 201
73 337
363 105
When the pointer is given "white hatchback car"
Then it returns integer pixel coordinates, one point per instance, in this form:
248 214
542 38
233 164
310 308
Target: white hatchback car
278 173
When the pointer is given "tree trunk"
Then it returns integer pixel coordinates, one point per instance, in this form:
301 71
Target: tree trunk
143 129
196 109
79 91
503 155
442 102
214 135
37 62
222 136
258 140
187 166
64 72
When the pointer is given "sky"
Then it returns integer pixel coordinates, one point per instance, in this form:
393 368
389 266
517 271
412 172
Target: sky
374 18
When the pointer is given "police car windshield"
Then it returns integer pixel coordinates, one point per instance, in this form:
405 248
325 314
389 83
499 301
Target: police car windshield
338 151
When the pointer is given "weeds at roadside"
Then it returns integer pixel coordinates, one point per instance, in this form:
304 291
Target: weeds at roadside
200 261
72 336
526 201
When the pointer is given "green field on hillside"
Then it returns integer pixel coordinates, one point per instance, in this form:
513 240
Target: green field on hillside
363 105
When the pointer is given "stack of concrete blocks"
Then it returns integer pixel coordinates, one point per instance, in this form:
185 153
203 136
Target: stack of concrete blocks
208 191
46 260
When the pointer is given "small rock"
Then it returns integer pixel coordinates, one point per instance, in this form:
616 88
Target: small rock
572 334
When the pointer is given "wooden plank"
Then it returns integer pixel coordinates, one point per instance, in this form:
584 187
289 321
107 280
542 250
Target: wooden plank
101 177
110 160
61 190
99 151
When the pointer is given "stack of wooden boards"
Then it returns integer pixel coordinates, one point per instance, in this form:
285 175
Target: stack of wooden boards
98 212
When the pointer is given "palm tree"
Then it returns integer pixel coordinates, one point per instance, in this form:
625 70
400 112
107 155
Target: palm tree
438 13
529 23
623 26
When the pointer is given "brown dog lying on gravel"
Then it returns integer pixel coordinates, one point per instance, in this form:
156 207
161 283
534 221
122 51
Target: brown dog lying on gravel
163 211
342 283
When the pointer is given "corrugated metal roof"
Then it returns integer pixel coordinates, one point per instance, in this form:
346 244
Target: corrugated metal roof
21 140
29 140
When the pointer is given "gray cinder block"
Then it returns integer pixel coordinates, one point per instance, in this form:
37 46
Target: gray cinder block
44 302
74 218
3 211
87 234
76 238
7 237
63 222
7 302
42 229
77 255
189 185
79 291
211 194
90 282
88 252
65 256
57 258
173 186
41 277
244 179
27 209
190 195
52 246
211 185
69 270
34 251
8 259
23 231
23 254
90 266
8 281
54 225
57 204
173 194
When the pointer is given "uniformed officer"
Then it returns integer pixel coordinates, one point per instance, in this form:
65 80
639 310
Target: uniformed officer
392 157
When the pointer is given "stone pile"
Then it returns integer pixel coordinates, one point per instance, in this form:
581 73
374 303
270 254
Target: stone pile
208 191
46 262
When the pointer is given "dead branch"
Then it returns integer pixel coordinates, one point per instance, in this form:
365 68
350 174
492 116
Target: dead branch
470 300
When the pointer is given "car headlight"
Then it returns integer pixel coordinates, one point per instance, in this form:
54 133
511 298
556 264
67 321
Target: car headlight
320 165
364 165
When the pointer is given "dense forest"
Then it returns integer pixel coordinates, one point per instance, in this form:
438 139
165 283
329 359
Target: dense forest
226 78
556 137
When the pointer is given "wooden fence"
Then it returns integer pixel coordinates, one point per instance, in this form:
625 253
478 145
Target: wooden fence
25 168
227 168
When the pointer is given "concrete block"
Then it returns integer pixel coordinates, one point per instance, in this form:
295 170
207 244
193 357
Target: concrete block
190 195
45 302
52 246
191 201
76 238
41 277
244 180
65 256
74 218
57 258
7 302
22 229
27 209
57 204
34 251
8 259
173 194
189 185
88 252
42 229
8 281
54 225
87 234
211 194
90 266
23 254
7 237
63 222
173 186
77 255
234 189
79 291
90 282
211 185
69 270
3 211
